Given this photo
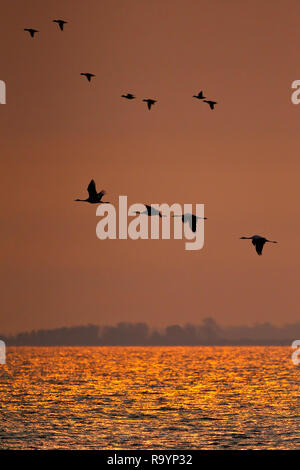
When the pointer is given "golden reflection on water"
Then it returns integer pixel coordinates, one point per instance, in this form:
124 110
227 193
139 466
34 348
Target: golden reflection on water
149 398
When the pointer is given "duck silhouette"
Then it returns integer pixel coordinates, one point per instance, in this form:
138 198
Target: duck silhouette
88 75
129 96
150 102
31 31
60 23
200 96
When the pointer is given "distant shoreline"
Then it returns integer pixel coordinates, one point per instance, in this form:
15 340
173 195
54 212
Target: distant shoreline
208 333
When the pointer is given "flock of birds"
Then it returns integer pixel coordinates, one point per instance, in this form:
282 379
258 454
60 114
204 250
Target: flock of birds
150 101
129 96
60 23
96 198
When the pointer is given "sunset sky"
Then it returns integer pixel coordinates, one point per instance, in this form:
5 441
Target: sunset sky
241 160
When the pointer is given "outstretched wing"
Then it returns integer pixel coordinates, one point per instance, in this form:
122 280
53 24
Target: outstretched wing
210 103
194 223
149 209
101 194
191 220
259 244
92 189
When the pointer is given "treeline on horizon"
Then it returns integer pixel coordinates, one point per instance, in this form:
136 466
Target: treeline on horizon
140 334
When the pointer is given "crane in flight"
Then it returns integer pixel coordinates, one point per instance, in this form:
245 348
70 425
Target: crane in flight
258 242
191 219
94 197
151 211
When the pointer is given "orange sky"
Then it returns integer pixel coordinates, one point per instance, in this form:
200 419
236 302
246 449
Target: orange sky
241 160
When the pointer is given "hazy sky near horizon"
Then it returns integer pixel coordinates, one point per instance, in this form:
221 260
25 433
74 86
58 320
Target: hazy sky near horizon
242 160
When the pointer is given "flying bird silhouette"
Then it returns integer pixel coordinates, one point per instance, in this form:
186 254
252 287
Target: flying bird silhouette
199 96
211 103
129 96
258 242
60 23
150 102
88 75
94 197
31 31
191 219
151 211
